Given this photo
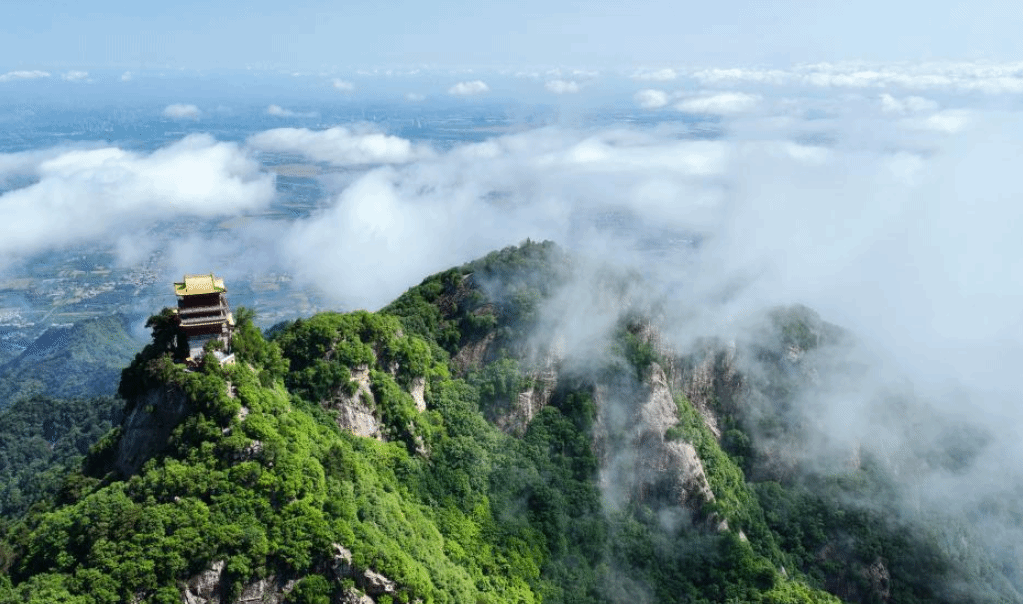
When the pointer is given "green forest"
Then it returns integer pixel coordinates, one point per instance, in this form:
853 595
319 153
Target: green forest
260 483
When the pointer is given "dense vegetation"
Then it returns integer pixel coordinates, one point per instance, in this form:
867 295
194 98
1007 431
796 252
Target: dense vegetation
259 476
41 439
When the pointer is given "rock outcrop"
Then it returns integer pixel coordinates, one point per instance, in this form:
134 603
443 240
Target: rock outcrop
527 404
369 584
146 430
208 588
364 586
204 588
637 462
355 411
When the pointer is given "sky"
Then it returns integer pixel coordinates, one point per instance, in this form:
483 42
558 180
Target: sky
309 34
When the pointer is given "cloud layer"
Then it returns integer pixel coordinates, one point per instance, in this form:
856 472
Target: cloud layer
75 76
181 111
988 78
23 75
722 103
278 111
651 99
562 86
473 88
90 194
338 146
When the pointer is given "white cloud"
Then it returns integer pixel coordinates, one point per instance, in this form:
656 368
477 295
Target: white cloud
339 146
561 86
736 75
950 121
721 103
651 99
23 75
126 76
473 88
75 76
963 77
278 111
911 104
343 85
414 97
25 163
389 227
87 195
656 75
181 111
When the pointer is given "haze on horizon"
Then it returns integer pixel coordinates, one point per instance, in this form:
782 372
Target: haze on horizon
316 34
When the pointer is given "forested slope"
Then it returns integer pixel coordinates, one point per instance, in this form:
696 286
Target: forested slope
82 360
439 451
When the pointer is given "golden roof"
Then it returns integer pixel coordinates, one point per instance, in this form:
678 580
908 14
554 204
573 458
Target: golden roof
199 284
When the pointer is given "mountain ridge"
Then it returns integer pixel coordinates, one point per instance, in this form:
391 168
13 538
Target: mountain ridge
81 360
522 476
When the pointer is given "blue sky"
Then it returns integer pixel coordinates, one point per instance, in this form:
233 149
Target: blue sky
318 34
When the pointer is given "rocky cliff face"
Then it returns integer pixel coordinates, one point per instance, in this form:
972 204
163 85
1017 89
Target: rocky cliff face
355 412
355 585
637 463
208 587
528 403
146 430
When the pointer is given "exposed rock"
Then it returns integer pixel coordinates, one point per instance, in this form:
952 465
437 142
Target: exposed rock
354 596
637 463
342 566
207 588
251 451
472 355
355 411
880 580
369 581
147 428
418 392
710 380
527 404
270 590
376 584
204 588
357 417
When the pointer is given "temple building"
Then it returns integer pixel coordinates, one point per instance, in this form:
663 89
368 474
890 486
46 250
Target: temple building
204 315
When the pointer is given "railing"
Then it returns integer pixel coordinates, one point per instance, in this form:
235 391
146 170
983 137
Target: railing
196 309
221 318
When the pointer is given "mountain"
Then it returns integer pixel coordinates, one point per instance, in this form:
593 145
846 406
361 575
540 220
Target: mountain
466 444
82 360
